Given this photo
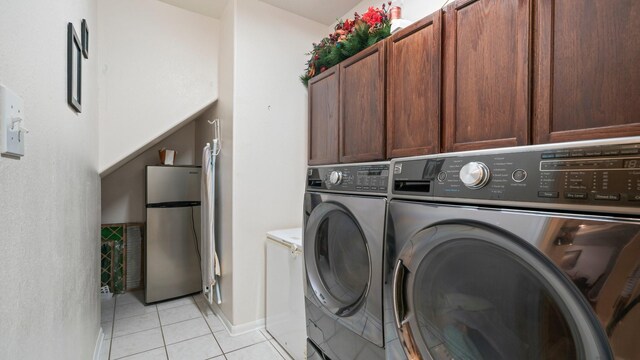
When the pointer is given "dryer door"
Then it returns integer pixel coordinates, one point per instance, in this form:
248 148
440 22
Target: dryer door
337 258
467 291
343 252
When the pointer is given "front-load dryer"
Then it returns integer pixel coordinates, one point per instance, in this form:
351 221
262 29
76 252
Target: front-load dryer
344 220
520 253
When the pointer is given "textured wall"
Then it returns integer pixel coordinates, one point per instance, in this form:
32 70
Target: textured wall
123 191
223 109
50 199
270 141
158 66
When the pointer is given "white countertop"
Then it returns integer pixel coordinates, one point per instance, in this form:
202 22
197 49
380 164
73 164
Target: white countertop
291 236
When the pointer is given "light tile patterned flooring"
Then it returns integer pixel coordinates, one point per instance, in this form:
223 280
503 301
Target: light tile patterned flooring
182 329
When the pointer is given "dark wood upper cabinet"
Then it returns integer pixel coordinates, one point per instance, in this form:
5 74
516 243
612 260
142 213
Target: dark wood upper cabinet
362 105
413 88
586 70
324 107
486 74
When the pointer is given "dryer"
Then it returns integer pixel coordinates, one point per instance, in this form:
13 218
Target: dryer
518 253
344 221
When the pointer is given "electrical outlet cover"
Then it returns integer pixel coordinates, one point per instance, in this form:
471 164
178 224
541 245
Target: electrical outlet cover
11 107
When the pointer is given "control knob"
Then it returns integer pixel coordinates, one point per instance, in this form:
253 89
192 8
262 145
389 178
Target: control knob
475 175
335 177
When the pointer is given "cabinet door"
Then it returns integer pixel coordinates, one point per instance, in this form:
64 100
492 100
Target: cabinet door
324 100
413 89
486 74
362 126
587 70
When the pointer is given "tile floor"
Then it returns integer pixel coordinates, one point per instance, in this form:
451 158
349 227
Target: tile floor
182 329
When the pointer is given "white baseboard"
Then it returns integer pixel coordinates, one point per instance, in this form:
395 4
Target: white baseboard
240 329
98 348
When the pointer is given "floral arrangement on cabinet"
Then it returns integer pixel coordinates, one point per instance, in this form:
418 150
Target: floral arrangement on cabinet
350 37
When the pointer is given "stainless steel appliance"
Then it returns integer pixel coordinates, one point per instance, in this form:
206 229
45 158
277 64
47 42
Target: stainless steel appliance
344 214
172 260
518 253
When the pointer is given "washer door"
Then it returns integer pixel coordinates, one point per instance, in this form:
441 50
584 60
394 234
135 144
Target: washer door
471 292
337 259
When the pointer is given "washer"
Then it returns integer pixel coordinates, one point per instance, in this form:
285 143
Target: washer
517 253
344 219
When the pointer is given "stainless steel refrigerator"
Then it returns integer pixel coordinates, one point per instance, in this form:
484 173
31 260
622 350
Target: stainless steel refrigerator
172 256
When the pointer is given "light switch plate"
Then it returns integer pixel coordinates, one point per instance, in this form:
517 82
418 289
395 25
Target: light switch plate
12 138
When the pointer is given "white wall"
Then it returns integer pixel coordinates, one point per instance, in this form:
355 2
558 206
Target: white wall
123 191
223 109
270 140
158 66
411 9
50 199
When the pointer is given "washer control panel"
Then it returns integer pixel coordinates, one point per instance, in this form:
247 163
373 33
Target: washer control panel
607 175
361 178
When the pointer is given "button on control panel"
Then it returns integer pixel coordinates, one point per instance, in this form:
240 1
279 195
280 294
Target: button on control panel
363 178
519 175
576 195
548 194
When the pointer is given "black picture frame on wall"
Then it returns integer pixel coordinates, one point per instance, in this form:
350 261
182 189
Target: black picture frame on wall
74 69
84 30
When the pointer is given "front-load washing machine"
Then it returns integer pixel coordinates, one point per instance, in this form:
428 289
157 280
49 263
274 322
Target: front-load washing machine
518 253
344 220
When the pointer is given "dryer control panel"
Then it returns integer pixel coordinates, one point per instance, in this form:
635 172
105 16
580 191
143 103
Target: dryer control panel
594 173
358 178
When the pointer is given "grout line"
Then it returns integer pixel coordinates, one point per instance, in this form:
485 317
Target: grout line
265 333
217 356
193 318
130 316
211 331
222 355
162 333
285 354
113 324
135 332
244 347
181 321
181 341
276 348
175 307
138 353
133 301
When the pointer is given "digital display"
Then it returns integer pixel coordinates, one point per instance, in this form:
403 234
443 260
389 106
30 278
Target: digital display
631 164
590 164
369 172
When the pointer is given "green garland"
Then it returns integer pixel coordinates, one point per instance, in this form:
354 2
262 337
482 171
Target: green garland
330 51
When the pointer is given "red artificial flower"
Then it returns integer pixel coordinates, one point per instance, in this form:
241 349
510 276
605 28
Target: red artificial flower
372 17
348 25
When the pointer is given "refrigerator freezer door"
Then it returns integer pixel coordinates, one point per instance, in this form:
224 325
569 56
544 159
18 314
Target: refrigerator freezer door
172 184
172 265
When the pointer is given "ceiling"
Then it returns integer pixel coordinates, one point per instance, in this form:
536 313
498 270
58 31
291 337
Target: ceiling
211 8
323 11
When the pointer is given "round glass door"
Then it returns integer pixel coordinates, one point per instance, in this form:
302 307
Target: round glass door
337 259
475 294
